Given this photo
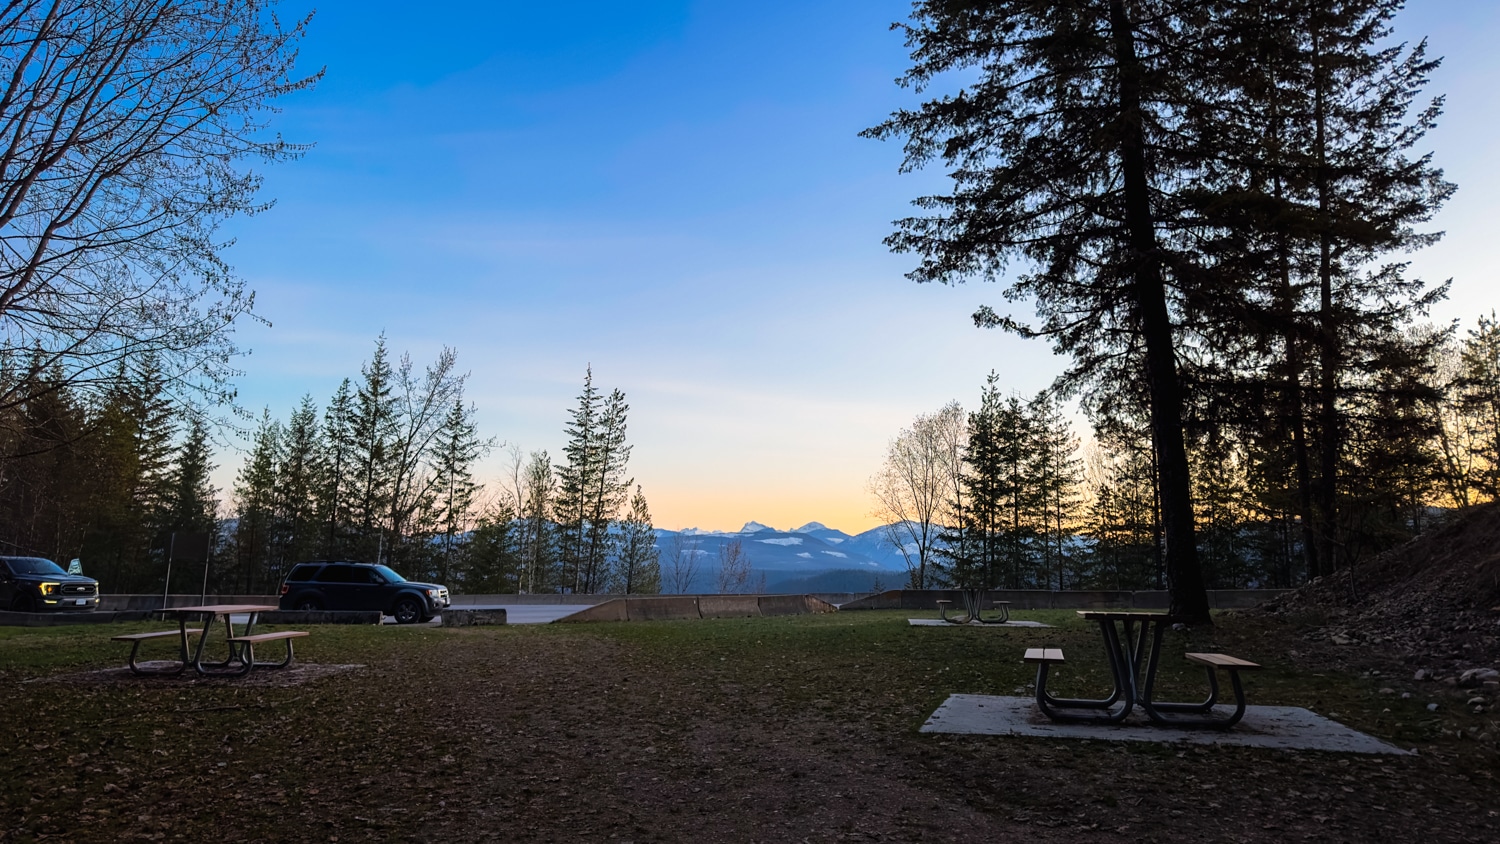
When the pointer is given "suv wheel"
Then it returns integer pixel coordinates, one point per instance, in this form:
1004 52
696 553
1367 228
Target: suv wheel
309 604
408 610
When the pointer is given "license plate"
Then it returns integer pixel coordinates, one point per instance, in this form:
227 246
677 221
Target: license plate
81 601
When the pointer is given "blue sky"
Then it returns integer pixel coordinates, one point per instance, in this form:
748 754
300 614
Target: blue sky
675 194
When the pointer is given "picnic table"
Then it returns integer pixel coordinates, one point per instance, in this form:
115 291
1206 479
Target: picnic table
1132 647
973 608
240 649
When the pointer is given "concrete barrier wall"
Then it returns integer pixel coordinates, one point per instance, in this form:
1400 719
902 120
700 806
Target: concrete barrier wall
60 619
679 607
1039 599
774 605
662 608
612 610
728 606
321 617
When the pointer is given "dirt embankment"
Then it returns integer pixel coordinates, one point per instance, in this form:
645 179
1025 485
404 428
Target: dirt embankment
1433 603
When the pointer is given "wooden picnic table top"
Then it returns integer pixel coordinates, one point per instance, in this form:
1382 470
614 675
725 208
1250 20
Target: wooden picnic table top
220 609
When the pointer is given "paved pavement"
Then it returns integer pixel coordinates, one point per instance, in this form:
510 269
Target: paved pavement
522 613
1286 727
530 613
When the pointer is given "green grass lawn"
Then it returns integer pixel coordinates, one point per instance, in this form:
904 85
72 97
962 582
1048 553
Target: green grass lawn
773 728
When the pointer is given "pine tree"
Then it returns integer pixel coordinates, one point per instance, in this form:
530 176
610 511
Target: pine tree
155 430
1478 399
575 482
489 563
538 529
298 478
372 429
116 532
1123 525
44 464
338 476
192 506
1054 482
458 446
972 547
608 489
1307 185
638 569
592 485
1062 151
257 528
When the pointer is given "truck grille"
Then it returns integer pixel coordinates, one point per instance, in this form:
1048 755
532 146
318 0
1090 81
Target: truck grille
79 589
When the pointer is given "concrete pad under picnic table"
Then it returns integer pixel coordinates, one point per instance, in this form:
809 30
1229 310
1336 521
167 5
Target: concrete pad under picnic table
1280 727
938 622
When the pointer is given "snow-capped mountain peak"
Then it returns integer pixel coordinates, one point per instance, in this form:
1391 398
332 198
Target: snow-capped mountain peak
810 527
754 527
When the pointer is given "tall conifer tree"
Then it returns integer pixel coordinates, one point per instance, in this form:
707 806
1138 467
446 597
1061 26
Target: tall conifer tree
1308 185
638 569
297 485
336 490
372 429
1063 152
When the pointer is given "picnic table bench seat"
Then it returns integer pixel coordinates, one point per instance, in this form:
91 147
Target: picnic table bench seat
135 640
1070 709
1201 714
252 640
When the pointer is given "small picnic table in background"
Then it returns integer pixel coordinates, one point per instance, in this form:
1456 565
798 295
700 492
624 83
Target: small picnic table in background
973 606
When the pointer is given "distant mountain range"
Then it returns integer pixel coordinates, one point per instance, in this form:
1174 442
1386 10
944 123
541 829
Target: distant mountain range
811 558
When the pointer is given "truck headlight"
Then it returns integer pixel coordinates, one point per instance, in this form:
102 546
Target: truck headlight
48 588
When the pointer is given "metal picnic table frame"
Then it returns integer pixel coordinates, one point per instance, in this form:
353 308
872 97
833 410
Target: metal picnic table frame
1133 664
214 612
973 609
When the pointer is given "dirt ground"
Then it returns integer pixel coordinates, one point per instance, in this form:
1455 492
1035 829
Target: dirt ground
766 730
607 735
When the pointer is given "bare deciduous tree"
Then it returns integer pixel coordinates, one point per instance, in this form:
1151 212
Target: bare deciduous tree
918 485
680 562
734 568
122 127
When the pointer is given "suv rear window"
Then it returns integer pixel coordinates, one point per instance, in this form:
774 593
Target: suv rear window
304 571
347 574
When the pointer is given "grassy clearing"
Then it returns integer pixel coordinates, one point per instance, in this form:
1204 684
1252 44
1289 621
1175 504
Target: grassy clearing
753 729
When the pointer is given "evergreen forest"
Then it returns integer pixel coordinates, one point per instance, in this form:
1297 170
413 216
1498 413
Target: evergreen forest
120 479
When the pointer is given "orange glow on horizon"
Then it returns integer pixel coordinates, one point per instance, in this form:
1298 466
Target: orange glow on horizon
729 511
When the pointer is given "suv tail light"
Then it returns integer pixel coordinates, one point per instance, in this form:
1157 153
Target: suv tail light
285 588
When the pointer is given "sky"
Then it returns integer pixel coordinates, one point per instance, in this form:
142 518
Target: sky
674 194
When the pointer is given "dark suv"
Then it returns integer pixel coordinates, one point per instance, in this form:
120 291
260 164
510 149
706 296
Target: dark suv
35 584
328 585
